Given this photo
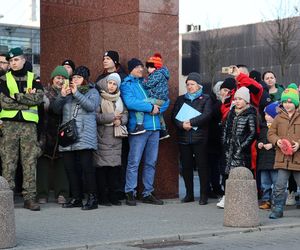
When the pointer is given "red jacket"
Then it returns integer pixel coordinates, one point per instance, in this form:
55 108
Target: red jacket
256 90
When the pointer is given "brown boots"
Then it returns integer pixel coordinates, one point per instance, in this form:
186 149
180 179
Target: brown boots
31 205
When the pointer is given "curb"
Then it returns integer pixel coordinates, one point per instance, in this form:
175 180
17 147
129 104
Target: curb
185 236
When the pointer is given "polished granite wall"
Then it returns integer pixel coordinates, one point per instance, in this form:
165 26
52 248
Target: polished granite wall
82 30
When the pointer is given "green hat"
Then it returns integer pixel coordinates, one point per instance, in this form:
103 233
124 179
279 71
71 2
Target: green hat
291 94
14 52
60 71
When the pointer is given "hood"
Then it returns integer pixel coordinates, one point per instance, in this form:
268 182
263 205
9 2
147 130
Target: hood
165 72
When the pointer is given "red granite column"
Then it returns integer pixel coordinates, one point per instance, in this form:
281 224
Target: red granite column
83 29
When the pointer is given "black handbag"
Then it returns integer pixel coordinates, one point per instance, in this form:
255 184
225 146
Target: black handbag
67 132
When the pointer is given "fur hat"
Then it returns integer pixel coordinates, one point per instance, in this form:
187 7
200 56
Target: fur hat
272 109
134 62
195 77
155 61
114 77
69 62
229 83
14 52
291 94
114 55
243 93
82 71
60 71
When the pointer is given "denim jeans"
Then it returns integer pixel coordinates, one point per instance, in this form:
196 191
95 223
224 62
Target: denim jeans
267 179
281 183
143 145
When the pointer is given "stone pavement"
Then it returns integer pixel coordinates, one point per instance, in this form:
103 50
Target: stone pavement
56 228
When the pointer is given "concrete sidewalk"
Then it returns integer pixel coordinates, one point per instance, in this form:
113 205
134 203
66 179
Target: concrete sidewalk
57 228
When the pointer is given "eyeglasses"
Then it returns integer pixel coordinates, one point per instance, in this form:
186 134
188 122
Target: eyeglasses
1 62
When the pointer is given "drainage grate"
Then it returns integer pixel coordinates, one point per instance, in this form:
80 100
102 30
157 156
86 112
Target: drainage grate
165 244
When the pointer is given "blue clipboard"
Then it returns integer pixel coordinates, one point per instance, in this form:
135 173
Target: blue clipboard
187 112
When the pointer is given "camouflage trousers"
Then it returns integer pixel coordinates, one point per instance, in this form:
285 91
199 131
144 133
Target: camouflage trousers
20 138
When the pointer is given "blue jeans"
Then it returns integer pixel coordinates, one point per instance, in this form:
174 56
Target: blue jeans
281 184
267 179
143 145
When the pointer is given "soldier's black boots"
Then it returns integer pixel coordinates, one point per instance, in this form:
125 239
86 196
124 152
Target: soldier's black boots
73 203
91 203
31 205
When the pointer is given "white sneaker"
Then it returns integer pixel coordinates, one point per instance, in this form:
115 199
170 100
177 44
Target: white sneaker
221 203
291 199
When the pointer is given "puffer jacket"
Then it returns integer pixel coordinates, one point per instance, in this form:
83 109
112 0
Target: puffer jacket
204 105
284 127
239 133
85 119
109 147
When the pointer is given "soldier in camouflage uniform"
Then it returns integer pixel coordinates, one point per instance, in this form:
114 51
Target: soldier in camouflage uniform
20 96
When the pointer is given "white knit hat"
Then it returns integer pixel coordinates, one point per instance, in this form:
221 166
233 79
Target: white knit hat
243 93
115 77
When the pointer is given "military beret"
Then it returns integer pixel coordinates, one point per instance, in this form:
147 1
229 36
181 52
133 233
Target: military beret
14 52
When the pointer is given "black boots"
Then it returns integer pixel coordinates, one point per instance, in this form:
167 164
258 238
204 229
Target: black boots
130 199
91 203
73 203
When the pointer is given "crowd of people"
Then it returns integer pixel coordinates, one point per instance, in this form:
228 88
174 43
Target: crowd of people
93 136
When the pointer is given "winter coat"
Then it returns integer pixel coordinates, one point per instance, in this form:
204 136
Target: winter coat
284 127
277 96
255 89
120 71
85 120
265 158
109 147
157 85
51 123
239 133
134 95
204 105
214 144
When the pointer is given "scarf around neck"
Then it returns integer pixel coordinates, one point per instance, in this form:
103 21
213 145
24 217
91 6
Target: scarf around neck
193 96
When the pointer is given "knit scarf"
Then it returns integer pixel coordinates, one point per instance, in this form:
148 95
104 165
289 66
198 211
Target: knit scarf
83 88
193 96
111 103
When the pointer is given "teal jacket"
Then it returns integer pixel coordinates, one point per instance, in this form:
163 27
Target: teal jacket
134 95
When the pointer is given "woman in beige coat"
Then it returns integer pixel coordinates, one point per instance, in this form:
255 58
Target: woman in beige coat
111 120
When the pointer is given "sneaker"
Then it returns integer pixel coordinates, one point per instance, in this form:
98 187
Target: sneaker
291 199
266 205
130 199
43 200
139 129
163 134
151 199
61 199
221 203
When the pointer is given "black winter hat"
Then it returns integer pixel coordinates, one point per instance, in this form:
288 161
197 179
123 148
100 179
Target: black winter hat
114 55
195 77
229 83
256 75
82 71
132 63
69 62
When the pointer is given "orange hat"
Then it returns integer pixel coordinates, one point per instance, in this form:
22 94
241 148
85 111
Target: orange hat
155 61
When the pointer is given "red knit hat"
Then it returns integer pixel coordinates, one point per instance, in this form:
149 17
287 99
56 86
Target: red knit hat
155 61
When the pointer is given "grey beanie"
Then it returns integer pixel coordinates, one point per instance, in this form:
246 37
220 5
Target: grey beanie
243 93
115 77
195 77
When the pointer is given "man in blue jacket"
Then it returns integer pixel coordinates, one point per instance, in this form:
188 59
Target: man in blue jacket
142 145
